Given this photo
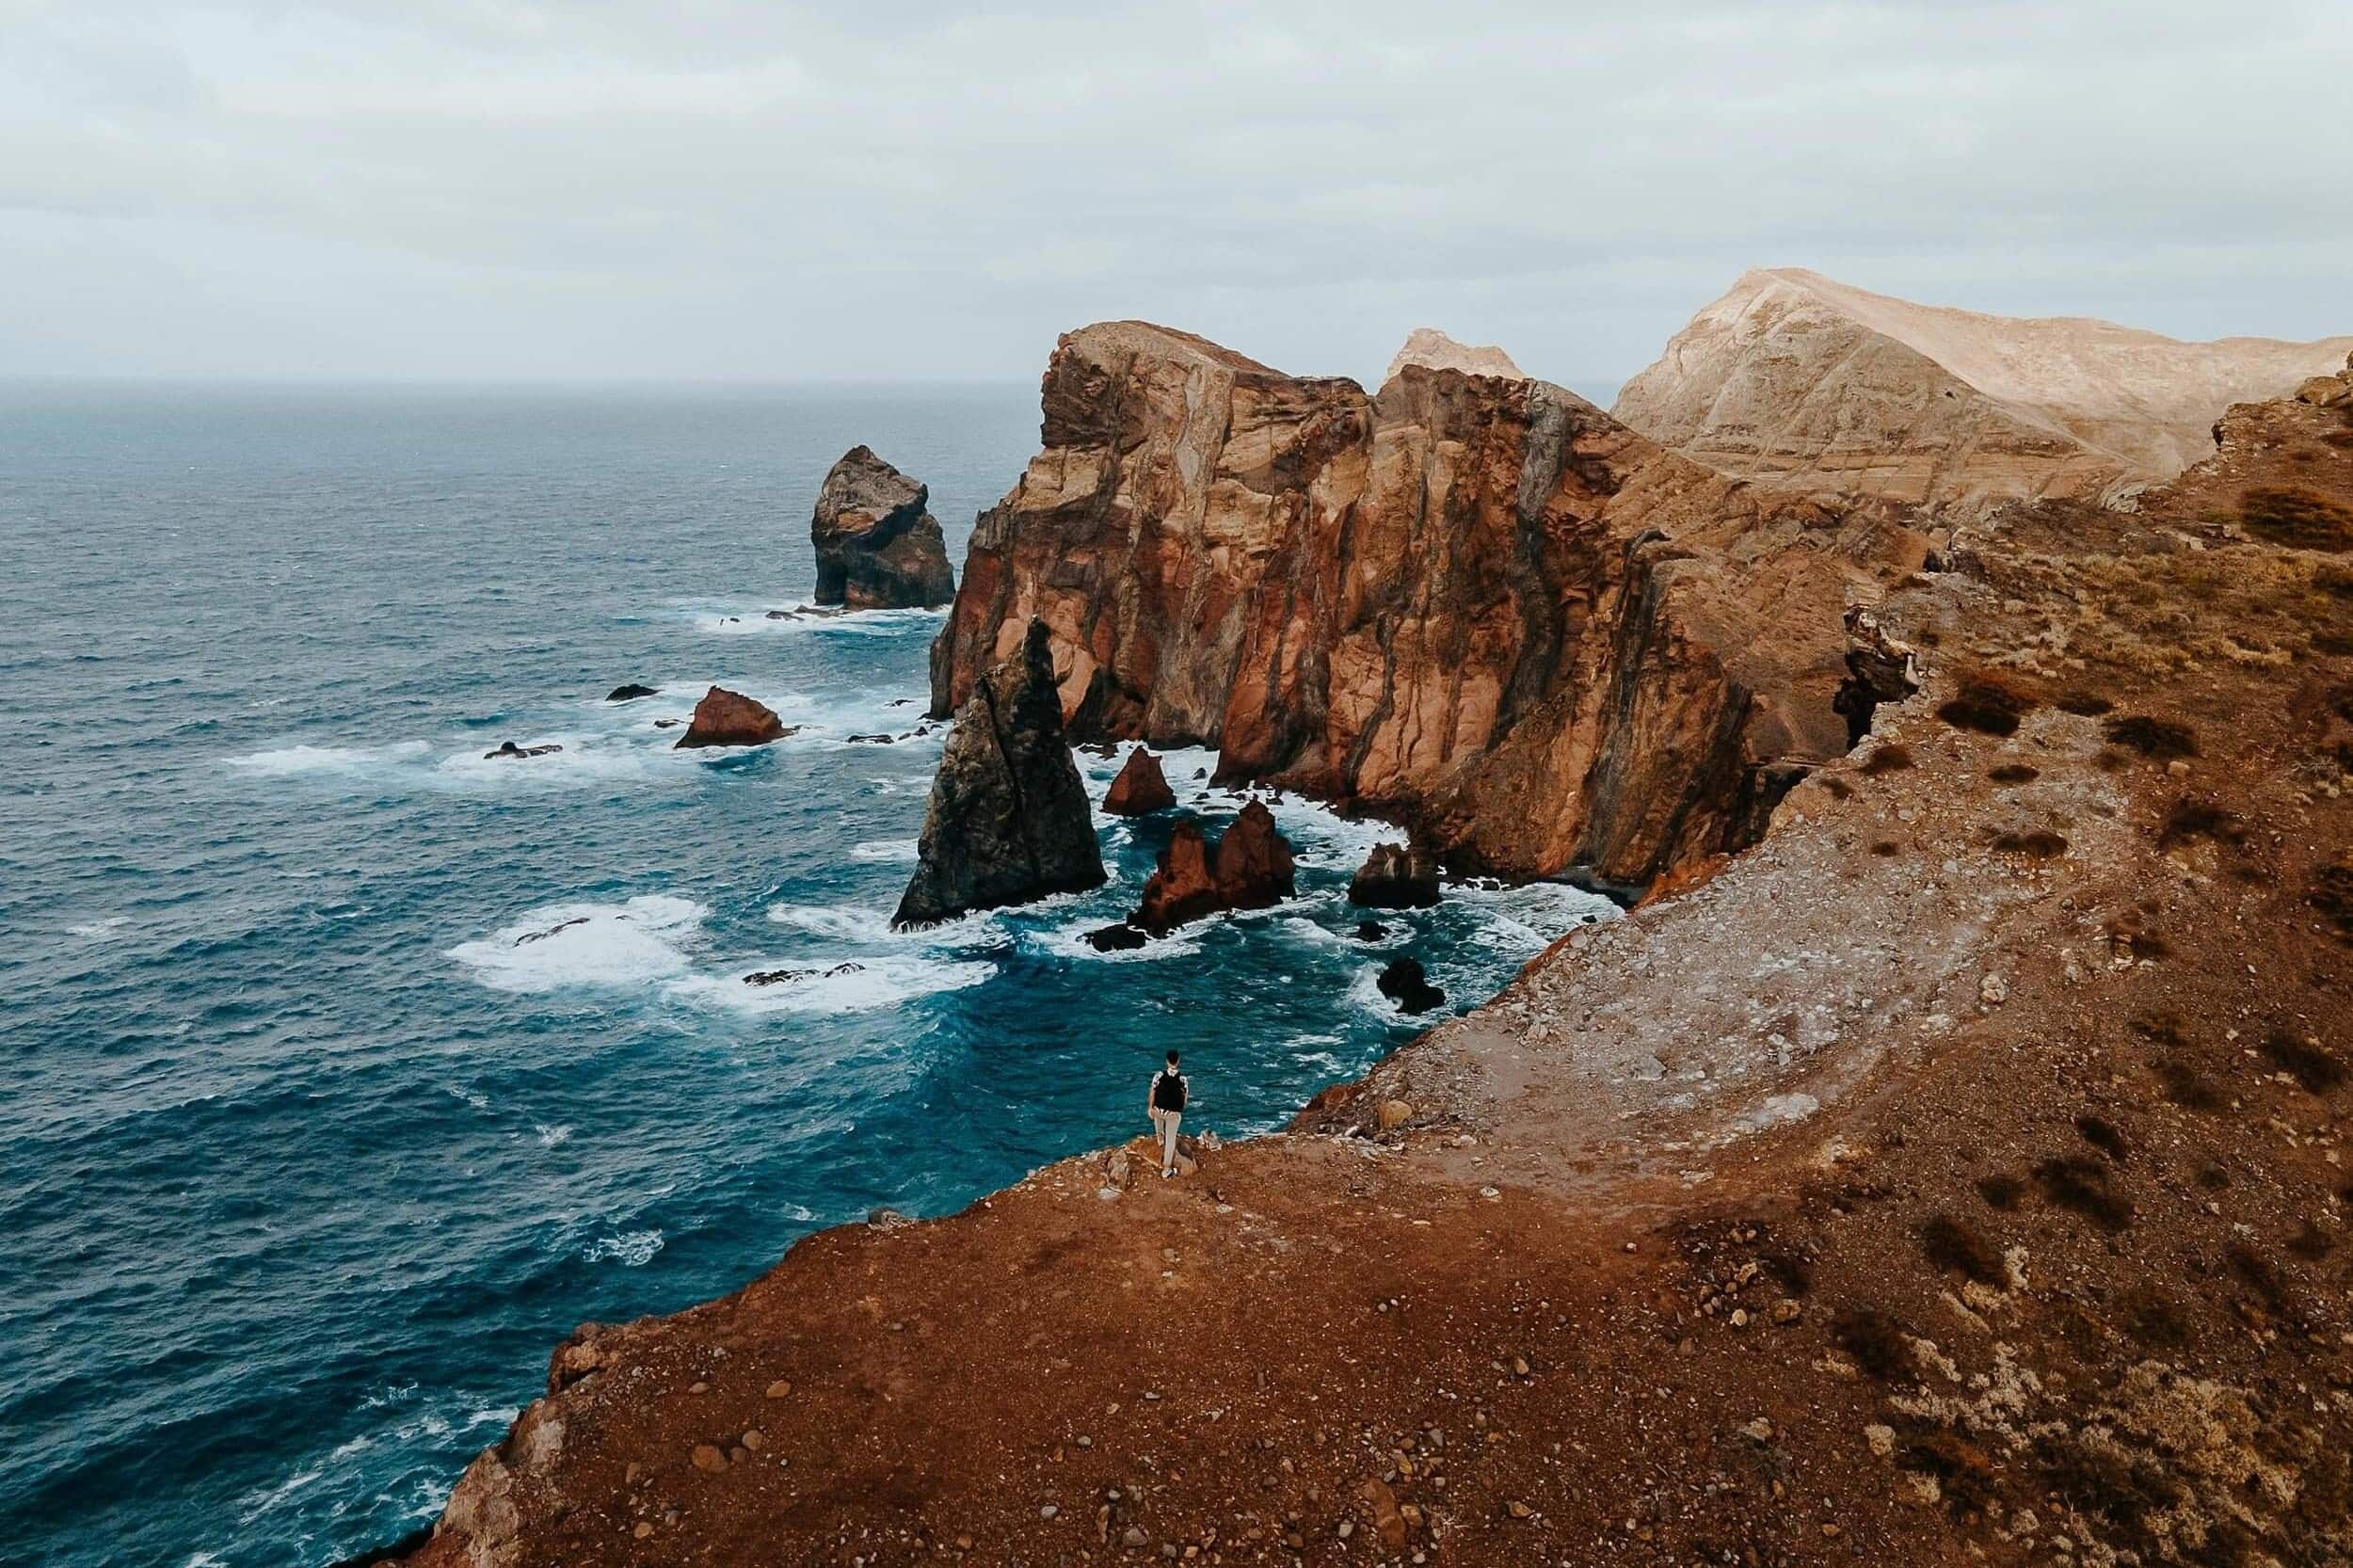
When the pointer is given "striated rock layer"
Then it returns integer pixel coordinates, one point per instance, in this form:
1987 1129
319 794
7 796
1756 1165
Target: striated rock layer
1813 385
877 548
1482 606
1007 821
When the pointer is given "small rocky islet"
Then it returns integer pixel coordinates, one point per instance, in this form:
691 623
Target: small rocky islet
1886 1185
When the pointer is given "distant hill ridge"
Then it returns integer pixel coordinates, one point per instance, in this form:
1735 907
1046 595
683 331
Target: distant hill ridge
1813 384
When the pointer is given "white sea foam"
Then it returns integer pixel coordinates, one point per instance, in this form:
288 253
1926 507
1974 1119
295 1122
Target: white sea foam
832 986
632 1249
98 931
586 944
808 618
552 1137
1532 916
290 761
878 849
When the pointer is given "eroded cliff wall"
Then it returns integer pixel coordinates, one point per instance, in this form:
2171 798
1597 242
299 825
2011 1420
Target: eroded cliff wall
1482 606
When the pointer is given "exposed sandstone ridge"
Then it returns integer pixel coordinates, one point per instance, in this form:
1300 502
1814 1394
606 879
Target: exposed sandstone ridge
1432 349
1007 821
877 548
1825 389
1482 606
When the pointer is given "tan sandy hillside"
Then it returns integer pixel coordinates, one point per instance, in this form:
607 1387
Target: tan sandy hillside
1797 378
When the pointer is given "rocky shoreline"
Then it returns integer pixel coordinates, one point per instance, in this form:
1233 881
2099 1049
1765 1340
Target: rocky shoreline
1953 1172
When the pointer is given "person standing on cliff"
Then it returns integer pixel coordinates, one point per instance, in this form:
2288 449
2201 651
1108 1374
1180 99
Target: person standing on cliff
1166 1104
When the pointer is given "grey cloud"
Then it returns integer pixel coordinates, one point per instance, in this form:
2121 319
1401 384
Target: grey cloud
710 189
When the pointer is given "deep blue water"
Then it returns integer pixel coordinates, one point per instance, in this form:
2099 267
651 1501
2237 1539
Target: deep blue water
307 1158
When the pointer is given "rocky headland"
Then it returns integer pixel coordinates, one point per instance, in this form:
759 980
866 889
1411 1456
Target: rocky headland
877 547
1481 607
1957 1173
1007 821
1812 385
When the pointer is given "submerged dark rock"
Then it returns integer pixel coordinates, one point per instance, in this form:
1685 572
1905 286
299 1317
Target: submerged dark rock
1124 936
1404 983
630 693
508 750
1008 819
1370 931
877 548
1395 876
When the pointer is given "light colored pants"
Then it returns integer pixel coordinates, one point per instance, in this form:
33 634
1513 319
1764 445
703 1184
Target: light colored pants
1164 1122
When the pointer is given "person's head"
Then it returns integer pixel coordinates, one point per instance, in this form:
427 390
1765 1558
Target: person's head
1172 1062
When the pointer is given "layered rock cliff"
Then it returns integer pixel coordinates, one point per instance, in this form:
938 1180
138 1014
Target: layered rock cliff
877 548
1482 606
1797 379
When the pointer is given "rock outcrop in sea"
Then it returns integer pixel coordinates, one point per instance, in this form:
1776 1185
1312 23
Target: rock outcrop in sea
1141 788
1481 607
1008 819
1395 876
1806 383
877 548
724 718
1250 867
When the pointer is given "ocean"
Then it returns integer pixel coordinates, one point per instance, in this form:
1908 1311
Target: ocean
343 1071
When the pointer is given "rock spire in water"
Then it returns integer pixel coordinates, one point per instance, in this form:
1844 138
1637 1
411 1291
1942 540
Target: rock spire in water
1008 819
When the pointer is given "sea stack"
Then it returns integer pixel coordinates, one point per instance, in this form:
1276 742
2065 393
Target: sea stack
1008 819
1141 788
1395 876
877 548
724 718
1250 868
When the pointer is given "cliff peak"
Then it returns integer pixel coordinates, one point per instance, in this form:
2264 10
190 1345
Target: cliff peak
1432 349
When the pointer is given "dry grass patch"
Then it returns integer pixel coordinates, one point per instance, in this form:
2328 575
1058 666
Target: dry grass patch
2313 1065
1989 703
2083 1186
1892 758
2014 773
1957 1247
2160 740
2036 844
2299 518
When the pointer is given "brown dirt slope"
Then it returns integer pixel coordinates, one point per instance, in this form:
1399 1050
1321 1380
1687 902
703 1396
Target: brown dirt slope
1960 1174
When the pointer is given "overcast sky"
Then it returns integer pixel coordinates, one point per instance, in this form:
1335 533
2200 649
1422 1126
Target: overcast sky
522 189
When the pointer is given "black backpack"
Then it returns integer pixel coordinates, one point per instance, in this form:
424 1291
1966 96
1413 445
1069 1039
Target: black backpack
1168 1091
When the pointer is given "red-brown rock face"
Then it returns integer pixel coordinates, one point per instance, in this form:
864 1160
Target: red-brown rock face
1481 606
1141 788
724 718
1249 868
